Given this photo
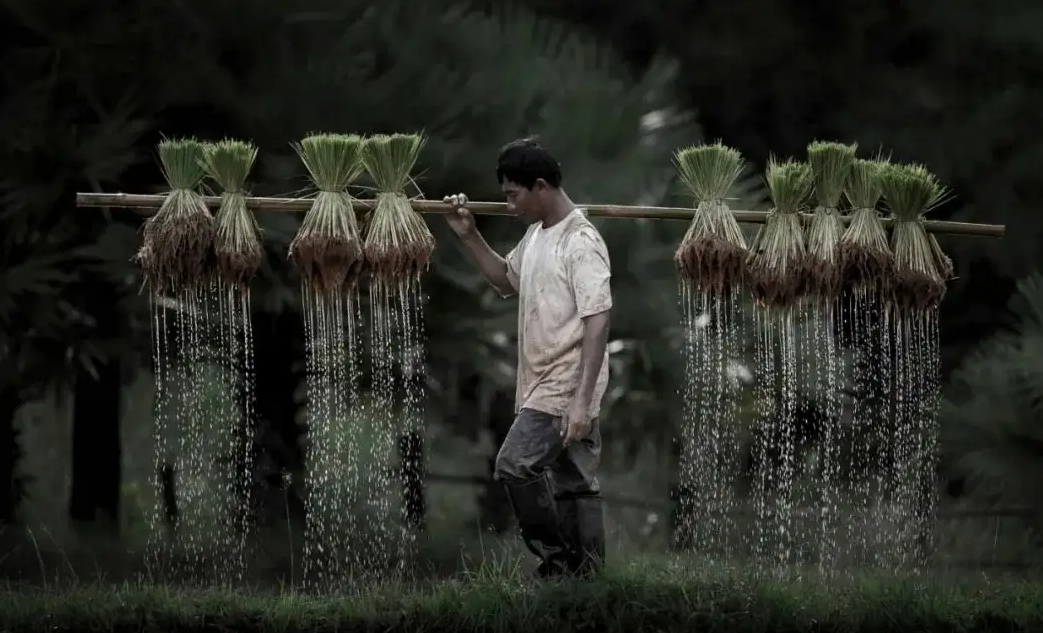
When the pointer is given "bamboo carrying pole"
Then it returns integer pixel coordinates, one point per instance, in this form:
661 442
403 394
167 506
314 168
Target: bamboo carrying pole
145 201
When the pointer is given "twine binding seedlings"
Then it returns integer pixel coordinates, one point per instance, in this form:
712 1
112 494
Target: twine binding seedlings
830 165
237 238
327 249
712 255
178 240
921 269
867 261
778 261
398 243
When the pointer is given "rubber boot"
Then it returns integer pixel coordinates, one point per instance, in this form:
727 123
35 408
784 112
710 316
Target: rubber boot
583 526
537 515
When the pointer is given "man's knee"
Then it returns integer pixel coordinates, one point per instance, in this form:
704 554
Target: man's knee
510 468
574 485
530 447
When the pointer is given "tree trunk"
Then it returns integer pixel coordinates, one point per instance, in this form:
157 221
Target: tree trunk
10 490
412 460
413 474
494 508
682 509
168 494
927 512
96 473
278 345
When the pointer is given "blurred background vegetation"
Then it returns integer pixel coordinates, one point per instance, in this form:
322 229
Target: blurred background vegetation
88 87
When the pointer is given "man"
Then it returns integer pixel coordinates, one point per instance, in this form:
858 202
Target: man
560 272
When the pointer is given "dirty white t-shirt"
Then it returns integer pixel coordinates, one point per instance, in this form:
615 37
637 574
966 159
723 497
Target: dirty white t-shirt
561 275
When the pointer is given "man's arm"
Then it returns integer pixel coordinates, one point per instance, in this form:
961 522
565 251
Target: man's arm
595 341
589 274
501 273
493 267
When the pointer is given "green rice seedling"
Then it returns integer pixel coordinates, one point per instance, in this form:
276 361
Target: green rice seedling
399 243
712 254
921 268
866 257
830 165
237 238
777 267
178 240
327 249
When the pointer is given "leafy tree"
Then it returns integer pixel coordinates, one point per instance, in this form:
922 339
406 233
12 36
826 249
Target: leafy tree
77 114
992 418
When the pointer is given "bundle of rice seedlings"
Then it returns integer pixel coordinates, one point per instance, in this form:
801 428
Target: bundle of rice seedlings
398 242
237 238
712 254
830 165
920 267
178 240
327 249
866 257
777 267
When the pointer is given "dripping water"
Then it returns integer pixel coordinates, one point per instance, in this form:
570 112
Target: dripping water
866 440
709 445
412 465
201 338
775 439
332 462
929 345
831 433
917 392
163 360
395 421
235 426
765 409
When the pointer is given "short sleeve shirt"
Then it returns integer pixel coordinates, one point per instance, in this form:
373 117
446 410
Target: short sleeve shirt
562 275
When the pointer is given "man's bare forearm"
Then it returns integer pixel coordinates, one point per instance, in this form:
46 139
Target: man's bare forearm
592 355
493 267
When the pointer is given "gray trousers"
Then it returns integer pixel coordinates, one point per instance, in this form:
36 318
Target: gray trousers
534 448
555 493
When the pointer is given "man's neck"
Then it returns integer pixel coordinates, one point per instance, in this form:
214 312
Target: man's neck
559 210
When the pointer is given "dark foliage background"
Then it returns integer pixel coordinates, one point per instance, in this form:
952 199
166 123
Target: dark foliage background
88 88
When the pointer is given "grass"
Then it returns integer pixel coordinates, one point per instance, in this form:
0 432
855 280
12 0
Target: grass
639 596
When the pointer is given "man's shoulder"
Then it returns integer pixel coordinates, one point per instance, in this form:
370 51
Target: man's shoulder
518 247
580 229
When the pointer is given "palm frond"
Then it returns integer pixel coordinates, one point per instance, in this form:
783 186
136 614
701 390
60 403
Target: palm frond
992 416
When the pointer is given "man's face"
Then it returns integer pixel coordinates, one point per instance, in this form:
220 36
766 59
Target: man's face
525 204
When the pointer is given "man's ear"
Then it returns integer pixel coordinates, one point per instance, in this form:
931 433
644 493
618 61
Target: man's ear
540 185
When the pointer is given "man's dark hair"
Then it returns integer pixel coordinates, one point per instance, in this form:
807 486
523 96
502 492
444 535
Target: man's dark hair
525 161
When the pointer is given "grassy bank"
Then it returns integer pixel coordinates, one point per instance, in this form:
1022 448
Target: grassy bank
636 598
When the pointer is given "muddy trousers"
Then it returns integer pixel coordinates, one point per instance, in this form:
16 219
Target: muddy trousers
555 493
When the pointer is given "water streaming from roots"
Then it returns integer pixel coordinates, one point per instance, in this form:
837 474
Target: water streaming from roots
355 530
868 439
794 437
917 393
335 471
832 486
825 434
234 424
893 435
399 378
712 325
775 445
203 363
164 358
